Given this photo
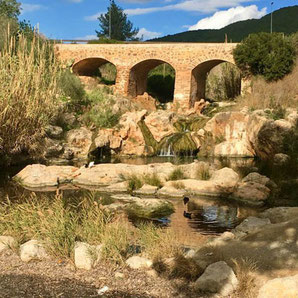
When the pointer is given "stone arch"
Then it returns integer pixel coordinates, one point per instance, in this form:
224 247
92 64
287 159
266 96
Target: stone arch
89 66
199 76
138 74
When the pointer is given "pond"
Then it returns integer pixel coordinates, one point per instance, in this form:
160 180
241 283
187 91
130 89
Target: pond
190 223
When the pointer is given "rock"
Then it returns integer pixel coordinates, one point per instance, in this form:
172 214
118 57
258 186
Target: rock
152 273
227 236
281 159
53 148
137 262
160 124
190 254
146 189
55 132
79 141
146 102
42 176
102 139
32 250
86 256
7 242
70 119
149 208
280 214
68 154
171 191
226 179
252 193
256 177
286 287
117 187
119 275
114 207
218 278
233 148
251 224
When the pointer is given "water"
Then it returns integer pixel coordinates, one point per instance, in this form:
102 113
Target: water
207 216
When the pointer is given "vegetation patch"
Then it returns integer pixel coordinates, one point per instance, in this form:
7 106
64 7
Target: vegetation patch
176 174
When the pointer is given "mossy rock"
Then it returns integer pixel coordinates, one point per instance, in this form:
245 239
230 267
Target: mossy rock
149 208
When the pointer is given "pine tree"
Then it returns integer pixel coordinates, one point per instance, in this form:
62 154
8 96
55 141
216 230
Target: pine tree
121 27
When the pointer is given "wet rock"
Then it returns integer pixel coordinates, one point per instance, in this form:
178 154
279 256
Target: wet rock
79 141
86 256
137 262
281 159
257 178
218 278
32 250
171 191
7 242
55 132
53 148
68 154
252 193
146 190
250 225
280 214
280 287
41 176
114 207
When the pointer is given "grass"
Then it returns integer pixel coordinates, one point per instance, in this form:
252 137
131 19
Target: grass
152 179
59 222
135 182
178 185
176 174
203 172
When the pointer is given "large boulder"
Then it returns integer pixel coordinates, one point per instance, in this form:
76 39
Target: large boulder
286 287
32 250
225 179
86 256
79 141
257 178
7 242
218 278
35 176
252 193
55 132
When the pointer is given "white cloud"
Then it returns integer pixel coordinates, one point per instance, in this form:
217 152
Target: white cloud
223 18
202 6
87 37
94 17
26 7
145 34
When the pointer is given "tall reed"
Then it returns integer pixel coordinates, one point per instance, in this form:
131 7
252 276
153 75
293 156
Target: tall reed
28 93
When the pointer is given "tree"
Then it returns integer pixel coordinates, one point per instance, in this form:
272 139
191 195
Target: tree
269 55
121 27
10 8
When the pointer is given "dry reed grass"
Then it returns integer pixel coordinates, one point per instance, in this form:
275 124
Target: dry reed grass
280 94
28 78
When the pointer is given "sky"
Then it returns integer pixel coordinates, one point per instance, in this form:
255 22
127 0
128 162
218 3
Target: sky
77 19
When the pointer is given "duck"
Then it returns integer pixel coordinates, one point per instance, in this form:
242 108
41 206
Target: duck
185 213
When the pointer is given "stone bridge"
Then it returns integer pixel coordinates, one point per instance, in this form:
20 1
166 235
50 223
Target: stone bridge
191 61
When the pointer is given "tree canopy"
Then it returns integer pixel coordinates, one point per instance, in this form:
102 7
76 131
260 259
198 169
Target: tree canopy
269 55
10 8
121 27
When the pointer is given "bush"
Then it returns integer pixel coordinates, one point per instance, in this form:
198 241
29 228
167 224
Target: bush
269 55
176 174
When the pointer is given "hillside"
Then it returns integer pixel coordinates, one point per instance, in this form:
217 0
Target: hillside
284 20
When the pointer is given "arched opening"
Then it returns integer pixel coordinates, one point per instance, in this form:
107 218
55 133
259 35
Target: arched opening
156 77
216 80
101 69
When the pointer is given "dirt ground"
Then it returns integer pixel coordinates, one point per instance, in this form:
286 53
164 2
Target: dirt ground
56 278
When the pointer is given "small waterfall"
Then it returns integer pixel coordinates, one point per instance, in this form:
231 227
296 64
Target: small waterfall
166 151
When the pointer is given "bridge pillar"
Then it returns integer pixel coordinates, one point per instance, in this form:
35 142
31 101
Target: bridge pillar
122 80
182 89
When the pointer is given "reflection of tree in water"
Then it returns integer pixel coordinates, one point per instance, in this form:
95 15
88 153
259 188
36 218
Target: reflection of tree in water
214 219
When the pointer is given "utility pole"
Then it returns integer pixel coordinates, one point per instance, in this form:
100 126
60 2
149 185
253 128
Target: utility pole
110 20
271 17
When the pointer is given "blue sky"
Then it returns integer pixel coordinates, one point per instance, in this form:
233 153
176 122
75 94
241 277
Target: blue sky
77 19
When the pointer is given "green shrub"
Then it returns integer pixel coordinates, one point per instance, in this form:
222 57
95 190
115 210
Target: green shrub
269 55
176 174
153 180
203 172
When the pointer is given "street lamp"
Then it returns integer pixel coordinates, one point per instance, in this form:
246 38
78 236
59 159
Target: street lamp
110 20
271 17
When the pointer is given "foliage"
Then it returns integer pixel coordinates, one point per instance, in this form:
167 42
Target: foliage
153 180
121 27
10 8
72 90
178 185
8 27
284 20
203 172
269 55
176 174
223 83
28 78
103 40
100 112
